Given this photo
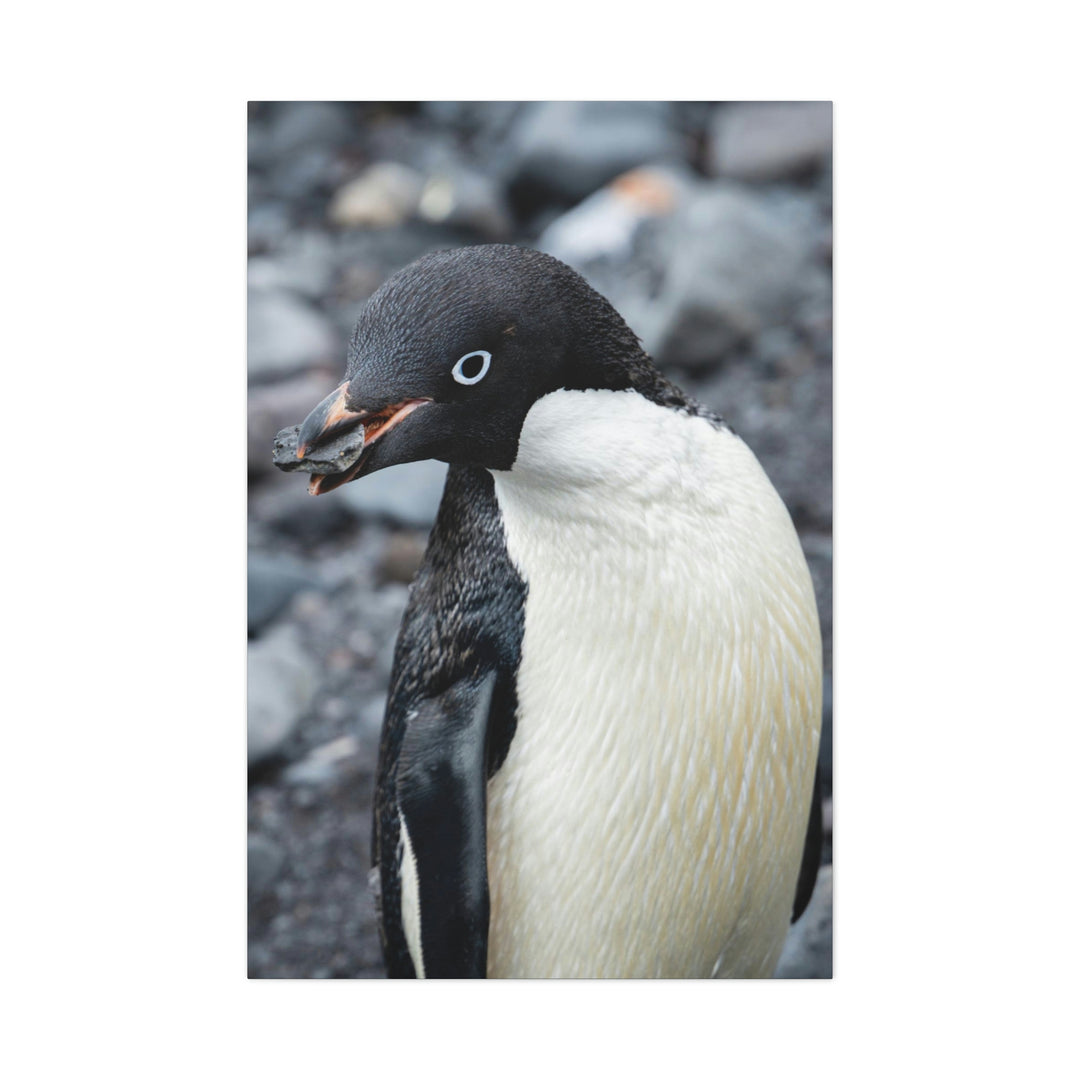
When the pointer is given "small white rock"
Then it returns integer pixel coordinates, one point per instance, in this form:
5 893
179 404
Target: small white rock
384 195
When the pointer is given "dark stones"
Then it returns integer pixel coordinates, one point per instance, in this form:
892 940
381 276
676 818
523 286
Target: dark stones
774 140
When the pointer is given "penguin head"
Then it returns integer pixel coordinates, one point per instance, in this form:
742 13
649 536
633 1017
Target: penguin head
450 354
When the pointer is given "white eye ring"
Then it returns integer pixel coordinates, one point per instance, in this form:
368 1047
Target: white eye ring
461 377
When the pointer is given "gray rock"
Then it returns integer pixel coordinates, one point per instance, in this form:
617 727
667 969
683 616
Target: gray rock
562 151
281 687
277 405
259 149
808 950
308 174
265 860
269 222
484 120
303 263
273 580
286 335
757 140
404 494
298 125
738 263
399 139
330 457
328 764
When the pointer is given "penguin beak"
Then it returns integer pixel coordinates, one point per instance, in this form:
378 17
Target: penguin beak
337 437
329 420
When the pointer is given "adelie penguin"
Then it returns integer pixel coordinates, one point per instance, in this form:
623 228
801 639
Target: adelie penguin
600 744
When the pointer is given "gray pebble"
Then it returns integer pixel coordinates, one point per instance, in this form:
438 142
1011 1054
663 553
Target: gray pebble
281 687
808 949
265 860
287 335
734 269
759 140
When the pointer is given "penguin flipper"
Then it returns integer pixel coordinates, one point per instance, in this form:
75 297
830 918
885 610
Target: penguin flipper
811 857
441 793
450 716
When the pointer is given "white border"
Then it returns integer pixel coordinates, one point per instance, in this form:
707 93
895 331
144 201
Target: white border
956 576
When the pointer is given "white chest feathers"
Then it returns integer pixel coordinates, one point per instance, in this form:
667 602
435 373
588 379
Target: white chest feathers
650 816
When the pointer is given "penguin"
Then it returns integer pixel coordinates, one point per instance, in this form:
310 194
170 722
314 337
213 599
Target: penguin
599 752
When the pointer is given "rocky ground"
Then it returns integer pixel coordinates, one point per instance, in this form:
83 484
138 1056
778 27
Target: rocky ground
709 226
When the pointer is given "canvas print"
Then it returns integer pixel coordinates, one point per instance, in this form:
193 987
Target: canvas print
540 539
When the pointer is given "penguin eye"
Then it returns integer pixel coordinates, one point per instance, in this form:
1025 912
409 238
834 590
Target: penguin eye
472 367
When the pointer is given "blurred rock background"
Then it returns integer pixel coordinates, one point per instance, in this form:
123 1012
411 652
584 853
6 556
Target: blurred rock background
708 225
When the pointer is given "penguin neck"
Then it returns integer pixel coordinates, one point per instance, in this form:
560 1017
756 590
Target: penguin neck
603 455
575 439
